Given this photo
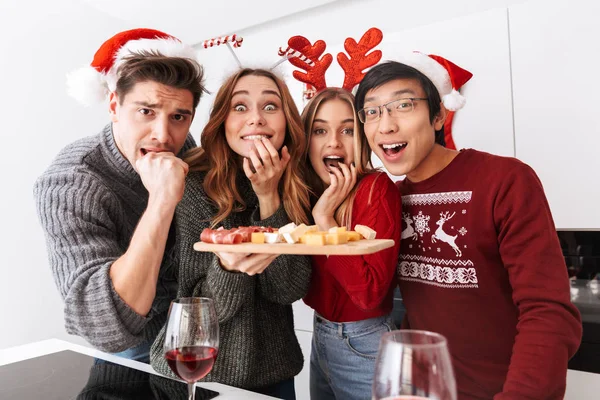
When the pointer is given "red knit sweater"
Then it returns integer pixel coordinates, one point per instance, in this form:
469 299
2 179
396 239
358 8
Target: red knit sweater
481 264
353 288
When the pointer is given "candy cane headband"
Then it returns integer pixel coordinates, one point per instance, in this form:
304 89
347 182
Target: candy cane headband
309 57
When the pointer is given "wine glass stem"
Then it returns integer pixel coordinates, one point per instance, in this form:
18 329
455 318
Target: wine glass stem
191 391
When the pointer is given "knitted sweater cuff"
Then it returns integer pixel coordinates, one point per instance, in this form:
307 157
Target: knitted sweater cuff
232 282
133 322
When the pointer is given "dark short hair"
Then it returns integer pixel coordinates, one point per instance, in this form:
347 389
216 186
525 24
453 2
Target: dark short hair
176 72
392 70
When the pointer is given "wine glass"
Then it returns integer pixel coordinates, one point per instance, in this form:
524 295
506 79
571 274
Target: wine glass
192 339
415 365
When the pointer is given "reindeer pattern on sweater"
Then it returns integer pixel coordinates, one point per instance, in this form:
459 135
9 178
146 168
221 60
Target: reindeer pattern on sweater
434 240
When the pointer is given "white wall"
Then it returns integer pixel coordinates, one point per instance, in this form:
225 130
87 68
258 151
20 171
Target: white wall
555 69
40 43
334 22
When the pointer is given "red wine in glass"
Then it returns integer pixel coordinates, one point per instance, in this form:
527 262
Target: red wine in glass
191 363
191 339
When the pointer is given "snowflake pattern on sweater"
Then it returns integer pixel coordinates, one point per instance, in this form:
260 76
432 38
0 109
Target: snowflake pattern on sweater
429 228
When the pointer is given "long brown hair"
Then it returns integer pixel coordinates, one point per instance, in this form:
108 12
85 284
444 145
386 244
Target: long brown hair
362 151
222 164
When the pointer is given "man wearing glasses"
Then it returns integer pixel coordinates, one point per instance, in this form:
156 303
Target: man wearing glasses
480 260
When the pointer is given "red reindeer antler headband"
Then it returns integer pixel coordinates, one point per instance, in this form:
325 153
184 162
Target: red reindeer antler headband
309 57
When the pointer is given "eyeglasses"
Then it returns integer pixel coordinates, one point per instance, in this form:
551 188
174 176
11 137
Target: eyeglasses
395 108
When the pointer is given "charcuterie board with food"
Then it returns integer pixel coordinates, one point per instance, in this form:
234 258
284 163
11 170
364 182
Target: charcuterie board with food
292 239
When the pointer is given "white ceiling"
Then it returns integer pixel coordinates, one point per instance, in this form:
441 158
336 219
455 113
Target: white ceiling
193 21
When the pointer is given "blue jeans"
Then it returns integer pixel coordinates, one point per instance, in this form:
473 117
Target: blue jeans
342 359
140 353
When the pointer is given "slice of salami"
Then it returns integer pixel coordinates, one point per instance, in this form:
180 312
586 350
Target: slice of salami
231 236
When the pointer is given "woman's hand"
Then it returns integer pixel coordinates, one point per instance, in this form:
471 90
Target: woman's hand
342 181
264 168
250 264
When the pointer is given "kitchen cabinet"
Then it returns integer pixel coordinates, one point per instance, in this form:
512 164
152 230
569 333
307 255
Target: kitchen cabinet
556 86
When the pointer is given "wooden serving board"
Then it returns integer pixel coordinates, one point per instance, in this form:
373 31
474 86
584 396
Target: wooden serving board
349 249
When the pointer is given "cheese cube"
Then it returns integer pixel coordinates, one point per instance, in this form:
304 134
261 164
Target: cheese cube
293 236
336 238
312 228
257 237
314 239
353 236
287 228
337 229
365 231
272 237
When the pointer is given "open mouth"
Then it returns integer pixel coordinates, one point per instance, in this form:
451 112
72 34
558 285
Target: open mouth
393 148
256 137
333 162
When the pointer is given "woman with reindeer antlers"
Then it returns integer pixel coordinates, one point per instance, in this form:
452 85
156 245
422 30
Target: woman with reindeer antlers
242 176
351 295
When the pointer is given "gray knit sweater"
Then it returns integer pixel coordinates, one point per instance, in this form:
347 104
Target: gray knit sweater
89 202
258 345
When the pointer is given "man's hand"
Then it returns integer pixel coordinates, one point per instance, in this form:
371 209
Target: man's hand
163 175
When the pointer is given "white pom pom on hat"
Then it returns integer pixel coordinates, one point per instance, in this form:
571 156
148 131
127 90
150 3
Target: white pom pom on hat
446 76
92 84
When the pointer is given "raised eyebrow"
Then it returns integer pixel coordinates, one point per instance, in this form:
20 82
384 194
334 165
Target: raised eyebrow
396 93
158 105
348 120
404 91
247 93
184 111
146 104
271 92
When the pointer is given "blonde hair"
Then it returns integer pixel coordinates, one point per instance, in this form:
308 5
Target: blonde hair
221 164
362 151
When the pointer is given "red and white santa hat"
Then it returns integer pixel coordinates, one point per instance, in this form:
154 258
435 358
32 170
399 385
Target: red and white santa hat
92 84
445 75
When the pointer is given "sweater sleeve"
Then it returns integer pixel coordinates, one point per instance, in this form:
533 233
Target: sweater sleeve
549 326
82 243
367 278
287 278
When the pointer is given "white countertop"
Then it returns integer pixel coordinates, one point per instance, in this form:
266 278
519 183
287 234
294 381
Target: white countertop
36 349
580 385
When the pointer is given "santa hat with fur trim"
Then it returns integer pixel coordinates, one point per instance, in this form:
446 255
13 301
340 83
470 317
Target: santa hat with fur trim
92 84
445 75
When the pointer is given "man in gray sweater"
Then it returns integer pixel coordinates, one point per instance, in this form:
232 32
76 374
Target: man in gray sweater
106 202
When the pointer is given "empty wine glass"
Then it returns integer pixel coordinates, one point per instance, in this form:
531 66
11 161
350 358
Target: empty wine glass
192 339
413 365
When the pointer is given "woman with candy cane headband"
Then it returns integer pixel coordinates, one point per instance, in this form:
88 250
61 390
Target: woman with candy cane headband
352 296
247 172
